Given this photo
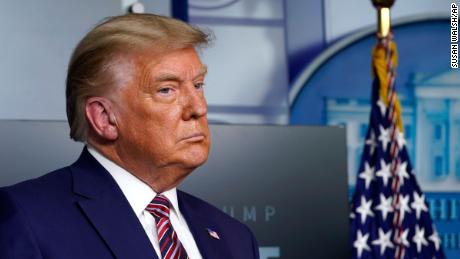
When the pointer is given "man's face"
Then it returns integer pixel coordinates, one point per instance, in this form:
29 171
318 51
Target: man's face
161 114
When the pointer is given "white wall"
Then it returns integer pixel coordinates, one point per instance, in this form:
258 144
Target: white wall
36 40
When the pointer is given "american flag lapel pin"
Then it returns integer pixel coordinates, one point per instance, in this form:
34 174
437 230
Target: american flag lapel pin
213 234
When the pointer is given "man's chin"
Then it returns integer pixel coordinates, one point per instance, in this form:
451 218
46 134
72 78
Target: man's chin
194 156
193 164
194 160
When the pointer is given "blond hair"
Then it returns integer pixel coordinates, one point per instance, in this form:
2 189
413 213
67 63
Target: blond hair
89 74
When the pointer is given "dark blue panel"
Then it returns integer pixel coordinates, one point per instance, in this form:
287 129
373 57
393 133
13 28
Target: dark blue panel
179 9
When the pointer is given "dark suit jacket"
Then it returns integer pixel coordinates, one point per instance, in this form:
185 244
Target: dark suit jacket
80 212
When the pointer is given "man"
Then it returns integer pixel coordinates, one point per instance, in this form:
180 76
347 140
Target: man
135 97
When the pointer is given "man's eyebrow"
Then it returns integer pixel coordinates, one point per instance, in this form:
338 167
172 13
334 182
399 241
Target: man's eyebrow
166 77
203 71
172 77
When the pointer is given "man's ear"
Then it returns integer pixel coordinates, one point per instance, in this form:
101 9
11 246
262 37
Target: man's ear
101 118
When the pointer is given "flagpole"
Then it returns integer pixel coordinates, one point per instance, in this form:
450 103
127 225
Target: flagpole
386 42
383 16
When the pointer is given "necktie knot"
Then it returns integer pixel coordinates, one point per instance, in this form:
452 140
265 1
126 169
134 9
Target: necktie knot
159 207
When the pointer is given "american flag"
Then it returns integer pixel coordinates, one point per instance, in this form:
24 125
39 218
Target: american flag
389 215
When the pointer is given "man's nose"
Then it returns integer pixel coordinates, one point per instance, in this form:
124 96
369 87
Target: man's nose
194 103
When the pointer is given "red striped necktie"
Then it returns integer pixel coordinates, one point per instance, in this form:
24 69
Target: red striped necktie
170 246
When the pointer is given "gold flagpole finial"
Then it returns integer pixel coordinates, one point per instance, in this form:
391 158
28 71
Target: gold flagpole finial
383 16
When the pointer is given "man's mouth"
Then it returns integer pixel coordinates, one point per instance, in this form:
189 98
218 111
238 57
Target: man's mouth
196 137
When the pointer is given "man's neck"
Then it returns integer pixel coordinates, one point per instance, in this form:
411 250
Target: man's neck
159 179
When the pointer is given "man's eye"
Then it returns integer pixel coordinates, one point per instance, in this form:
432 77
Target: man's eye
199 85
165 90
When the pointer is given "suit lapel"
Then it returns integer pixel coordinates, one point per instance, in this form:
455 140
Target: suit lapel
210 247
108 210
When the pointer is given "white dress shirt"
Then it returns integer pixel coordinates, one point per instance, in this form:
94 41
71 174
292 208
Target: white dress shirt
139 195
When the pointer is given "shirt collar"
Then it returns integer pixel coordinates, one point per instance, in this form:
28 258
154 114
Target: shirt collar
138 193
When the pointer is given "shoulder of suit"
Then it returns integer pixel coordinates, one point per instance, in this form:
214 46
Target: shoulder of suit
48 185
